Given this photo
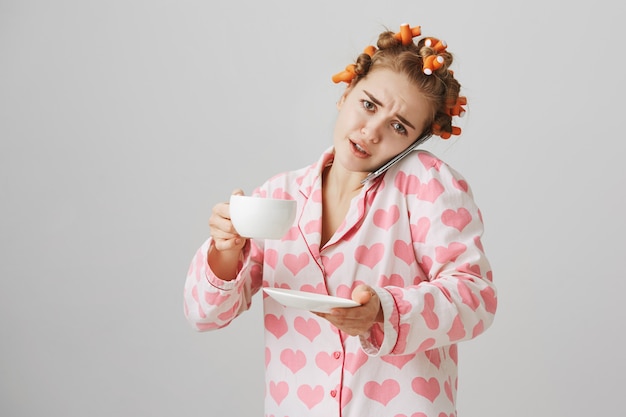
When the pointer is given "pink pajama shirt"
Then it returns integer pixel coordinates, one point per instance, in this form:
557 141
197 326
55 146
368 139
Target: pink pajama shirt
414 235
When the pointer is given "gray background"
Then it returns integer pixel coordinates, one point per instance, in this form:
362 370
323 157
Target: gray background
123 122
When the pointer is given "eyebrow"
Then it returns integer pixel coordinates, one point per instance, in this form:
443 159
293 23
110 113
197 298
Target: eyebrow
378 103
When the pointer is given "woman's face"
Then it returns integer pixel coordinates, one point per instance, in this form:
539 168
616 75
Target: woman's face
378 118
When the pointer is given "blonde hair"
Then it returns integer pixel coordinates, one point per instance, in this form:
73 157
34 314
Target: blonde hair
440 88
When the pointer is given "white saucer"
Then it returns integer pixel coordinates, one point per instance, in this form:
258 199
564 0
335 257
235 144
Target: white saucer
319 303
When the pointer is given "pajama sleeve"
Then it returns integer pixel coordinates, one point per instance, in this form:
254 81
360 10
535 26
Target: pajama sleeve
456 299
211 303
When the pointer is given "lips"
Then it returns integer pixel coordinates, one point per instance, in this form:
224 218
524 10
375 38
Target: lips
359 150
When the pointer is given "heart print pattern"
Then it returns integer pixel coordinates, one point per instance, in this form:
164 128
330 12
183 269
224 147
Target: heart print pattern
414 236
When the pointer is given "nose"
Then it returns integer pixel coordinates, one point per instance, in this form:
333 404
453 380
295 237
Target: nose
371 131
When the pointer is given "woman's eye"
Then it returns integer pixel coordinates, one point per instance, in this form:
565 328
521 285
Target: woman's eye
399 128
368 105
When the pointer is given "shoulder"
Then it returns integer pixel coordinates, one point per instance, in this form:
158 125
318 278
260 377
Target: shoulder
281 185
422 171
286 184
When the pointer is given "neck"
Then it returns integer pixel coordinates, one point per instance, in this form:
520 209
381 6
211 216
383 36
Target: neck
341 183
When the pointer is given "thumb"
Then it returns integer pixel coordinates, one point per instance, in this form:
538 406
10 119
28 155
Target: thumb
362 294
237 191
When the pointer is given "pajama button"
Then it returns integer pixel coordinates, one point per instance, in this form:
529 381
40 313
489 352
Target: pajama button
337 355
333 393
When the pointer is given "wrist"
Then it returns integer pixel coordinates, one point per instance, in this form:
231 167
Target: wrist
225 263
380 317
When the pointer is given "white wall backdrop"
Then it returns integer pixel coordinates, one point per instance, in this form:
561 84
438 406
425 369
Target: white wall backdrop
123 121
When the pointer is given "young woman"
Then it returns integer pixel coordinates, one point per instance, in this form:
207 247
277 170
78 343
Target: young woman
405 244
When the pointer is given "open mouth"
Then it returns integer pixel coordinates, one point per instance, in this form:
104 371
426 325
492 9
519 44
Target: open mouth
358 149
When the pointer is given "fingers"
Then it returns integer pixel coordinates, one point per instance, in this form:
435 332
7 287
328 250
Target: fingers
223 232
362 294
353 321
220 223
222 210
229 244
357 320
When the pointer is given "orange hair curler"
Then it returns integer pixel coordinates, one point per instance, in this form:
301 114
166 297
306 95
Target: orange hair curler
349 73
369 50
407 33
456 108
443 134
432 63
346 75
436 44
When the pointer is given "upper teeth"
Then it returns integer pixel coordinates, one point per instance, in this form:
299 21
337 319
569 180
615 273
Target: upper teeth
359 148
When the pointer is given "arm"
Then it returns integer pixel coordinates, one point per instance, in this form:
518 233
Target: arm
211 302
457 300
223 276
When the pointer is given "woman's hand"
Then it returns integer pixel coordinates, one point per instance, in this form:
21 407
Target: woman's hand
224 235
356 321
225 250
